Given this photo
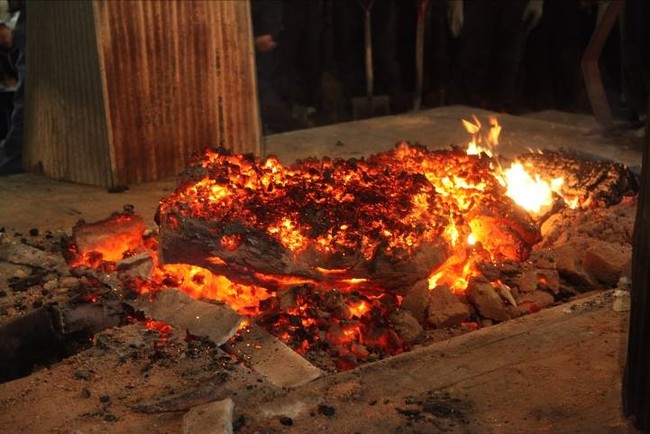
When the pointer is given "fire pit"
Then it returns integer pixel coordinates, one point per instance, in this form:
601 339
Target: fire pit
348 261
320 266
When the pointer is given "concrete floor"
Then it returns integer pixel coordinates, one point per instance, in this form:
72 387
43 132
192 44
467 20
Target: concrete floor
558 371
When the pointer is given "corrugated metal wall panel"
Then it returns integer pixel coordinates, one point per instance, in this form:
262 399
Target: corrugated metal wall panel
182 79
176 77
65 122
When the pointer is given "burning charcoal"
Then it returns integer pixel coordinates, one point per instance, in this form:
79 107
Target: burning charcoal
406 325
383 220
417 300
489 270
335 335
110 237
287 298
383 340
606 261
335 304
601 183
346 362
359 351
486 300
445 309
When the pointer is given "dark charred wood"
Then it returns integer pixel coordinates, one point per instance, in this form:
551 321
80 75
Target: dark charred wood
198 243
596 183
88 318
183 401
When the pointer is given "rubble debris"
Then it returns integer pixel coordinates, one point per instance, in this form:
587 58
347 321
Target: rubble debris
265 354
445 309
215 321
16 252
606 261
406 325
482 294
417 300
212 418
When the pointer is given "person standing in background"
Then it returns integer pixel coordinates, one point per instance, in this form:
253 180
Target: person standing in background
492 34
11 148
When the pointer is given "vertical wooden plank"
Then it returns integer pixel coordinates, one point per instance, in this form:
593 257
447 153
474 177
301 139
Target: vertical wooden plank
65 122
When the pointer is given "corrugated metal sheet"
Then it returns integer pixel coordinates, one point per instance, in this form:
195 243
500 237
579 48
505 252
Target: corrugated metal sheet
178 76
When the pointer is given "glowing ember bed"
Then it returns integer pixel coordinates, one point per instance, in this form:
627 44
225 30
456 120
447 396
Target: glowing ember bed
357 259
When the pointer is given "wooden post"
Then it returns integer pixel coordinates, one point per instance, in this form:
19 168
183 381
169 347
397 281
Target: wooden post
122 92
636 379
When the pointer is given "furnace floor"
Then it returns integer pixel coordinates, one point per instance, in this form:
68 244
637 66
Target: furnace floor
558 371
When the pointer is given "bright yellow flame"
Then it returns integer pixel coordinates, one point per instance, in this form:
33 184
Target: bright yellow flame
530 192
471 239
482 144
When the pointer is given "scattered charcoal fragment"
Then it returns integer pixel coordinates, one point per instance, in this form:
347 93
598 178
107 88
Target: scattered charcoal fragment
82 375
110 417
286 421
19 284
3 293
37 303
34 232
104 398
326 410
85 392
